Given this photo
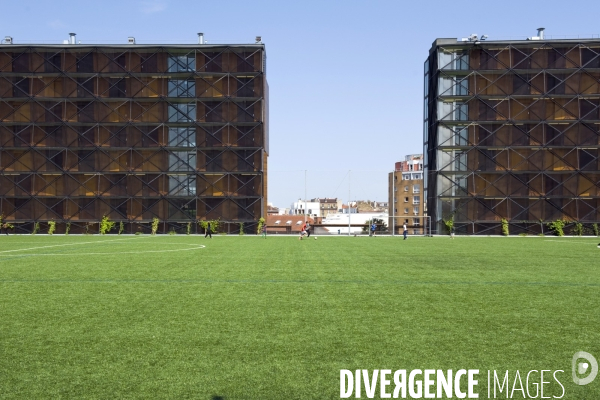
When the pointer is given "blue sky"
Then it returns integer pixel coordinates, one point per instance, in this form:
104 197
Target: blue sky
345 77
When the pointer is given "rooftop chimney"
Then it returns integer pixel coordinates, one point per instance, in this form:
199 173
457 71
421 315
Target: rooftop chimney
258 39
8 40
541 33
131 40
200 38
72 38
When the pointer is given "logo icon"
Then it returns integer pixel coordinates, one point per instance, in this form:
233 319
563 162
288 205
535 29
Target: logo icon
590 366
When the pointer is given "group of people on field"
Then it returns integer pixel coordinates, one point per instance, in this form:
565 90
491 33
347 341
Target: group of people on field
305 231
404 230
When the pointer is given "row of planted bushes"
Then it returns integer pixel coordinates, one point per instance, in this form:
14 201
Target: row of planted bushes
558 228
105 226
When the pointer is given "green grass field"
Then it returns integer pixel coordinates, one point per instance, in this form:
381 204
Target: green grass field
247 318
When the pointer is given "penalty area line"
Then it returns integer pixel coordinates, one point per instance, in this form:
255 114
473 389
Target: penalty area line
67 244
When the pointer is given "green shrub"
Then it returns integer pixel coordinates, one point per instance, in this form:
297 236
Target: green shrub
214 224
172 232
241 228
189 228
577 229
51 227
68 228
449 223
595 229
261 222
121 227
36 228
557 227
155 223
504 227
106 225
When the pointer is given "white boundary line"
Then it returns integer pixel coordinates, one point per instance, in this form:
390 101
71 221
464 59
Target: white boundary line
62 245
200 246
564 241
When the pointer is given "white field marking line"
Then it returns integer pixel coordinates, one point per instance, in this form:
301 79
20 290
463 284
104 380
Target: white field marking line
569 241
199 246
62 245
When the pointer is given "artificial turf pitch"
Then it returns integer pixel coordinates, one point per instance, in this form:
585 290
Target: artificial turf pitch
248 318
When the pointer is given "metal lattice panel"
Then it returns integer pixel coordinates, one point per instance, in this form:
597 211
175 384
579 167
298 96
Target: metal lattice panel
134 133
512 131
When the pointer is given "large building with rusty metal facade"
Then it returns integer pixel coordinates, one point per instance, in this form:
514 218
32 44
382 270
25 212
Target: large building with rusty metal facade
133 132
511 131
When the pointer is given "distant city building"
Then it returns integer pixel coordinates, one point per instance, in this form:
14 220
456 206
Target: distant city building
351 208
310 208
512 131
328 206
317 207
405 194
368 206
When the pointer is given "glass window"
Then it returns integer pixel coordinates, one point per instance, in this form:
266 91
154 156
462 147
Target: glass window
416 210
461 112
444 60
416 188
182 185
461 136
182 88
406 211
182 137
183 112
182 161
462 61
460 161
445 85
185 63
461 183
416 200
406 199
461 87
406 188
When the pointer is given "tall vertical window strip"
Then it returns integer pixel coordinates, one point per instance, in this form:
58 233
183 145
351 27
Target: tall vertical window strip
182 185
182 88
184 63
182 137
182 161
182 112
